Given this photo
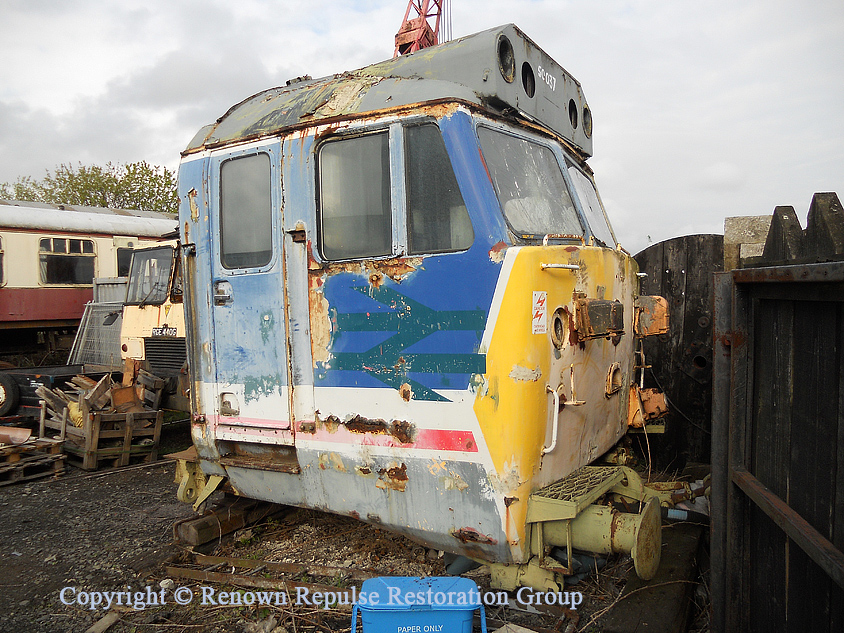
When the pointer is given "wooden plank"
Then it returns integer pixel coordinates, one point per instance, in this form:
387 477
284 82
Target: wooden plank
767 576
156 436
837 607
819 549
52 399
720 448
224 520
813 454
736 609
286 568
663 603
99 390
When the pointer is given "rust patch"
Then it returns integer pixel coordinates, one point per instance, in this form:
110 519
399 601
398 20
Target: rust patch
355 514
651 316
471 535
599 318
359 424
376 278
403 431
405 392
363 470
508 501
394 478
574 336
330 424
397 268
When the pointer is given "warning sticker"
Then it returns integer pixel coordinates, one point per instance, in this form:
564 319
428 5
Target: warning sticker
539 323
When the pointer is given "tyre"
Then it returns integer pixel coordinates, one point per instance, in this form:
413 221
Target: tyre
9 394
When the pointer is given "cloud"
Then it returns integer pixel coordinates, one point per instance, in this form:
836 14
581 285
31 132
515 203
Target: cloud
701 110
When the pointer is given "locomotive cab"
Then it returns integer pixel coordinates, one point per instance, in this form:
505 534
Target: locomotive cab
406 304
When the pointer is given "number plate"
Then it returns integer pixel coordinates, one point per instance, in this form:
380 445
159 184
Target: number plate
164 331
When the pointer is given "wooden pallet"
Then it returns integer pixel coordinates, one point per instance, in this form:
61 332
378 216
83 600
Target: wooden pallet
31 460
113 439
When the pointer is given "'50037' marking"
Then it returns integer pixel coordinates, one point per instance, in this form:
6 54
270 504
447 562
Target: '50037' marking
547 77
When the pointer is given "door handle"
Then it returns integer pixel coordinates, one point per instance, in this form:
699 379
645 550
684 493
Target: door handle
222 293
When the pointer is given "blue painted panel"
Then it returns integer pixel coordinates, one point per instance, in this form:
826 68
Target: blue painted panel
424 330
250 338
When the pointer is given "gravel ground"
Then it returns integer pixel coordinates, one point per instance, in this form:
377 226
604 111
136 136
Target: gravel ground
93 533
112 531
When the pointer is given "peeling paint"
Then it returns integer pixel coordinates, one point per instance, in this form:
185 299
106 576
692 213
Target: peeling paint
330 424
524 374
337 462
506 481
267 325
436 466
194 208
453 482
497 252
320 322
257 387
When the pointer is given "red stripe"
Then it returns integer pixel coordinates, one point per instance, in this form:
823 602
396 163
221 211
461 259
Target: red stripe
430 439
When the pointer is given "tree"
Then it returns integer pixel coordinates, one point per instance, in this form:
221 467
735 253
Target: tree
131 186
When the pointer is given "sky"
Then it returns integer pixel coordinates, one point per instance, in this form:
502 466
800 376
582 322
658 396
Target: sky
702 110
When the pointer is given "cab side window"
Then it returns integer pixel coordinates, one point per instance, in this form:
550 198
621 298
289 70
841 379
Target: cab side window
356 217
246 212
437 217
354 197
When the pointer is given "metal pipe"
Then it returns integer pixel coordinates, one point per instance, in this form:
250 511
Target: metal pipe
548 449
564 266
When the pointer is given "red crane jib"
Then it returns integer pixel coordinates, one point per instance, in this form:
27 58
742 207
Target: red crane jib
417 33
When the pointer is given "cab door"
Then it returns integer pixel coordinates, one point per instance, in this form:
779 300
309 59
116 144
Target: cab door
249 346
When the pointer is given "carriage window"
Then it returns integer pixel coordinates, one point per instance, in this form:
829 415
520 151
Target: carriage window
530 185
66 261
124 260
591 205
246 212
354 197
437 217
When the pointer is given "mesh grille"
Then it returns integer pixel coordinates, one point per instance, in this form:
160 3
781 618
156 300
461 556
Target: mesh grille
97 343
165 355
579 483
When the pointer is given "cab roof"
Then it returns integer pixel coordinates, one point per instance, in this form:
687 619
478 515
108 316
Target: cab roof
500 70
